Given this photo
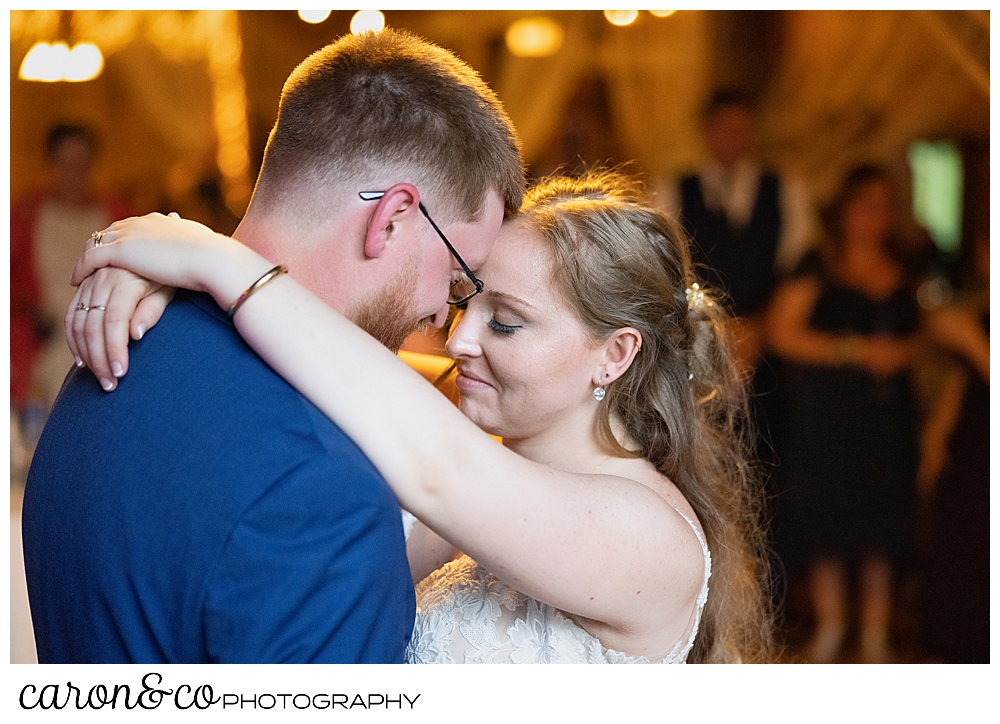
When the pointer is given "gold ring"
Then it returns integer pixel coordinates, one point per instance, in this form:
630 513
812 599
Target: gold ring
96 236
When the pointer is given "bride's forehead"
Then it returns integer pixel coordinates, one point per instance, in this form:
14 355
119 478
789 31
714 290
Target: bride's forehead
520 255
517 245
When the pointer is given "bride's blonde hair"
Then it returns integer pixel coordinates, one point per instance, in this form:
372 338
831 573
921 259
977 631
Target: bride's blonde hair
682 402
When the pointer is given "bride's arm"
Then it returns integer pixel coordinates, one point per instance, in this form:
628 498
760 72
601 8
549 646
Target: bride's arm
602 547
427 551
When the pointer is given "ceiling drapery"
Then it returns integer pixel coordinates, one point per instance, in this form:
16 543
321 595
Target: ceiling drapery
863 85
846 86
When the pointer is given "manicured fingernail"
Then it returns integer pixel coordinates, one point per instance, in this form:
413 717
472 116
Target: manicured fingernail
116 369
79 362
140 330
108 385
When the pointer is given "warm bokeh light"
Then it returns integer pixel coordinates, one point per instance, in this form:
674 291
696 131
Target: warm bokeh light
534 37
44 62
314 16
662 13
56 62
365 20
230 108
621 17
85 62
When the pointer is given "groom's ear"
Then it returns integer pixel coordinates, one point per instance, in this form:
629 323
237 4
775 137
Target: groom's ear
398 208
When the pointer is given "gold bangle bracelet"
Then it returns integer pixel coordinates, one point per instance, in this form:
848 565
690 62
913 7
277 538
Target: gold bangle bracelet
255 287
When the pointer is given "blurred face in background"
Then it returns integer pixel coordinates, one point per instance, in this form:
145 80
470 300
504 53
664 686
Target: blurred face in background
729 134
72 161
869 216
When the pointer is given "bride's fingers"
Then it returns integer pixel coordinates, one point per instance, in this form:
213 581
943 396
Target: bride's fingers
77 320
149 311
92 259
95 342
121 307
68 327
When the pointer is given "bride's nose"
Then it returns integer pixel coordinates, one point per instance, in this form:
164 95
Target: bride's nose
463 341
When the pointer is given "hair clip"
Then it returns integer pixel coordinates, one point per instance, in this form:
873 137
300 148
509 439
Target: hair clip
696 297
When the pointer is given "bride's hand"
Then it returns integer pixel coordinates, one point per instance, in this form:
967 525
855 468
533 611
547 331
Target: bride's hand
165 249
158 251
121 305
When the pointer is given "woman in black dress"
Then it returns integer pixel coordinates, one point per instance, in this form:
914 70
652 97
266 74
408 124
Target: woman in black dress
847 325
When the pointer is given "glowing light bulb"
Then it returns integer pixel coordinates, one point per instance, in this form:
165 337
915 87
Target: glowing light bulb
44 62
662 13
365 20
534 38
84 62
314 16
51 63
621 17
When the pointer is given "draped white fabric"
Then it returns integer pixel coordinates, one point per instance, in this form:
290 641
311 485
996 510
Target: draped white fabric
847 85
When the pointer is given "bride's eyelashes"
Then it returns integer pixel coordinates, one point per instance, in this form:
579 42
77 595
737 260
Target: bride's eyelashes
507 329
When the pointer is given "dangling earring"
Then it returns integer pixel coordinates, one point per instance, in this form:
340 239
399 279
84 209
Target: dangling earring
599 393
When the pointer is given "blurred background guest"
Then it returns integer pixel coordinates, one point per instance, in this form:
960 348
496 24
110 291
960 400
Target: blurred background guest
954 478
847 325
47 231
750 225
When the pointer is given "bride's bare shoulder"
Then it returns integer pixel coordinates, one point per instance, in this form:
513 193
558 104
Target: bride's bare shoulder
644 473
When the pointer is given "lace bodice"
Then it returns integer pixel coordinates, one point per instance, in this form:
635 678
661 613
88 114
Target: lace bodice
467 615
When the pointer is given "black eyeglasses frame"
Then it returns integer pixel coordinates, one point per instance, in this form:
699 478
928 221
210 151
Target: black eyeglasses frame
374 195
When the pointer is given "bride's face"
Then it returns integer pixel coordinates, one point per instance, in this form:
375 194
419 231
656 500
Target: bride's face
526 364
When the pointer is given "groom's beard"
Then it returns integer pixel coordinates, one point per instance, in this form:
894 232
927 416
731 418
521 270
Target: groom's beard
391 316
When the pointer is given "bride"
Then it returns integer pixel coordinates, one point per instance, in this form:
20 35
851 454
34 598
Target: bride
618 521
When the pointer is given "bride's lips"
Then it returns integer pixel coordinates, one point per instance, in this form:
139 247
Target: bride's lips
467 381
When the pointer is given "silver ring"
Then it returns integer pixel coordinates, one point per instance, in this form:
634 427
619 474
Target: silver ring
81 307
97 236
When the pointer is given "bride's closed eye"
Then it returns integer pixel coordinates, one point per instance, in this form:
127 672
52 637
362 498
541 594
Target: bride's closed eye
499 328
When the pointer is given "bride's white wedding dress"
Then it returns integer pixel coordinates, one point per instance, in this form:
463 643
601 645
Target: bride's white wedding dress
467 615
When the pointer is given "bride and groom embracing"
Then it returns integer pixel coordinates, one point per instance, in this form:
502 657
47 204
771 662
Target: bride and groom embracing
236 497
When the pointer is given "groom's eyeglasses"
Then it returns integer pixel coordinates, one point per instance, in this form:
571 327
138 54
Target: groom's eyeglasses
466 286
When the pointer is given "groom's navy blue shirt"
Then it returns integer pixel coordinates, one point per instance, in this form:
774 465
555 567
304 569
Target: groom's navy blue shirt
206 512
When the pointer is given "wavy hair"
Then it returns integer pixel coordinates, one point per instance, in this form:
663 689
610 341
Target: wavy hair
682 403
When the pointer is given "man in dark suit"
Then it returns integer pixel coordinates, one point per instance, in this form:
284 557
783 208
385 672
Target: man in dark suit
208 512
749 226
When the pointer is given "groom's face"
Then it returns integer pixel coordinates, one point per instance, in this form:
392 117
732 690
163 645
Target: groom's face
416 295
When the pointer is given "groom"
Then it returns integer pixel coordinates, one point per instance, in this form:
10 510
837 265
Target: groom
206 511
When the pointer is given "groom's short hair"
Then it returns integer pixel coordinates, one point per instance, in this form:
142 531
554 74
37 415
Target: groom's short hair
389 101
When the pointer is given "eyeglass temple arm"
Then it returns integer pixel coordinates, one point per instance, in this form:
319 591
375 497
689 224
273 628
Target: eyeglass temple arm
372 195
465 268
